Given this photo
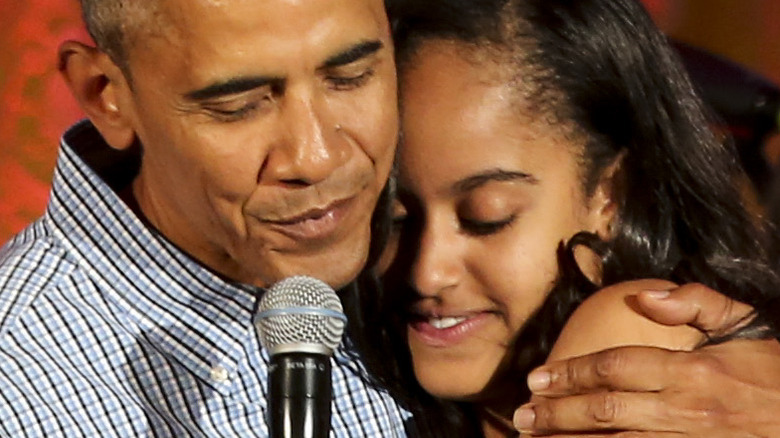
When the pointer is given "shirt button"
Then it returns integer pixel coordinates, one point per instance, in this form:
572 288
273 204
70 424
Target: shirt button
219 374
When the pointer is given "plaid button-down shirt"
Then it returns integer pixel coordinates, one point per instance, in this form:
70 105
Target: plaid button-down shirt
108 330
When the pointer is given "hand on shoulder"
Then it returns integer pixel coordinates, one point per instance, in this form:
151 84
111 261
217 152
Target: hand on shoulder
612 317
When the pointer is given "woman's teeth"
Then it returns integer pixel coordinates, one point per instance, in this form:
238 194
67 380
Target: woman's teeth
446 322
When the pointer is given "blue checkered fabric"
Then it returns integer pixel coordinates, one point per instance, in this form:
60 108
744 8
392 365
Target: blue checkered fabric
108 330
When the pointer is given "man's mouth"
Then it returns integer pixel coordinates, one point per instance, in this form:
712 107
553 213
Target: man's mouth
313 214
313 224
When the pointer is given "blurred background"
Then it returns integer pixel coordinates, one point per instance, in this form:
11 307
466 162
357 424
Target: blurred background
36 106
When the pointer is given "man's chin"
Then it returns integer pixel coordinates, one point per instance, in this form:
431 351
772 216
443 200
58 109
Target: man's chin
335 268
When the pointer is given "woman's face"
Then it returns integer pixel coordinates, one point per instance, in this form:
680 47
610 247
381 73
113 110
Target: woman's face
488 195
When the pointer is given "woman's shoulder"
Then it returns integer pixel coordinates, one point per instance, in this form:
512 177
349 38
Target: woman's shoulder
611 318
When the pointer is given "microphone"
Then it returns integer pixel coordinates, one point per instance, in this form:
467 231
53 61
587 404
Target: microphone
300 322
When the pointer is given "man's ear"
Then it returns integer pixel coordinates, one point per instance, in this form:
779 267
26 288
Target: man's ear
605 199
101 88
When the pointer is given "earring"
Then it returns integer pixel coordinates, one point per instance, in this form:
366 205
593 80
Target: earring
338 127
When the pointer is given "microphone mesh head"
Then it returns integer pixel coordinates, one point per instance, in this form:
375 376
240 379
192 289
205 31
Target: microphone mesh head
300 314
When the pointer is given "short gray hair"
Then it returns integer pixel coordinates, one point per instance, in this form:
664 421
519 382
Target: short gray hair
113 24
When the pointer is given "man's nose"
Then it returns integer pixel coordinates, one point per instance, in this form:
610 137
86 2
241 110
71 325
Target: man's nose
313 144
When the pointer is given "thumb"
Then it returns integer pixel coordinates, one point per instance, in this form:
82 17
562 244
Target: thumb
696 305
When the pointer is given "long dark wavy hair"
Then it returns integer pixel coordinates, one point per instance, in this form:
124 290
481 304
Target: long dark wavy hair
601 68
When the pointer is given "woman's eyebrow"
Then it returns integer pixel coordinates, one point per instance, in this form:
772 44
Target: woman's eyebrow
474 181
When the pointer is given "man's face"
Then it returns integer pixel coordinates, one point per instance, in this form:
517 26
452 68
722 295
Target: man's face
268 129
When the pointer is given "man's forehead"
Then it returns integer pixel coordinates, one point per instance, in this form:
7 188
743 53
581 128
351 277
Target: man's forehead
268 6
217 39
188 18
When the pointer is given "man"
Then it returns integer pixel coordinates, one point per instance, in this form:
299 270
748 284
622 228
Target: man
230 144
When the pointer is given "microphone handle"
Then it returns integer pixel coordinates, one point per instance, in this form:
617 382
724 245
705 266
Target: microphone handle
300 395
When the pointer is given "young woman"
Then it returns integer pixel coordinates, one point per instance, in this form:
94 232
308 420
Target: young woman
550 148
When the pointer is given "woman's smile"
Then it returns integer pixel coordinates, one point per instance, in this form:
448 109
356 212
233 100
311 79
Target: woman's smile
449 331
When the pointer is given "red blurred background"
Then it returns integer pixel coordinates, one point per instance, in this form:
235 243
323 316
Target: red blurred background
36 106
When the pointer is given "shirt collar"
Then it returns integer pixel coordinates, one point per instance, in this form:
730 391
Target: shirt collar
187 311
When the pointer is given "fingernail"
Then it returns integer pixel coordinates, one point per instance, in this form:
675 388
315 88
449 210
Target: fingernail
524 418
539 380
657 294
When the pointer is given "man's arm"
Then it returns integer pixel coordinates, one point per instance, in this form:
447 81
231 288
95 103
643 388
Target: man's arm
726 390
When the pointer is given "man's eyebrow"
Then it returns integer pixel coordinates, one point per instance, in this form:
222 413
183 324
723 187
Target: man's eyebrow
474 181
230 86
354 53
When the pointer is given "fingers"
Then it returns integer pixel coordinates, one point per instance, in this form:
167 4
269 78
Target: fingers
597 412
625 434
696 305
624 369
724 390
612 435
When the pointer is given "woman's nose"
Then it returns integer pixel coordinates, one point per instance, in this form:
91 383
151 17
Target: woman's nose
437 266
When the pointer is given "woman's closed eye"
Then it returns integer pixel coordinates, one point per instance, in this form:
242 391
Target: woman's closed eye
485 228
489 209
